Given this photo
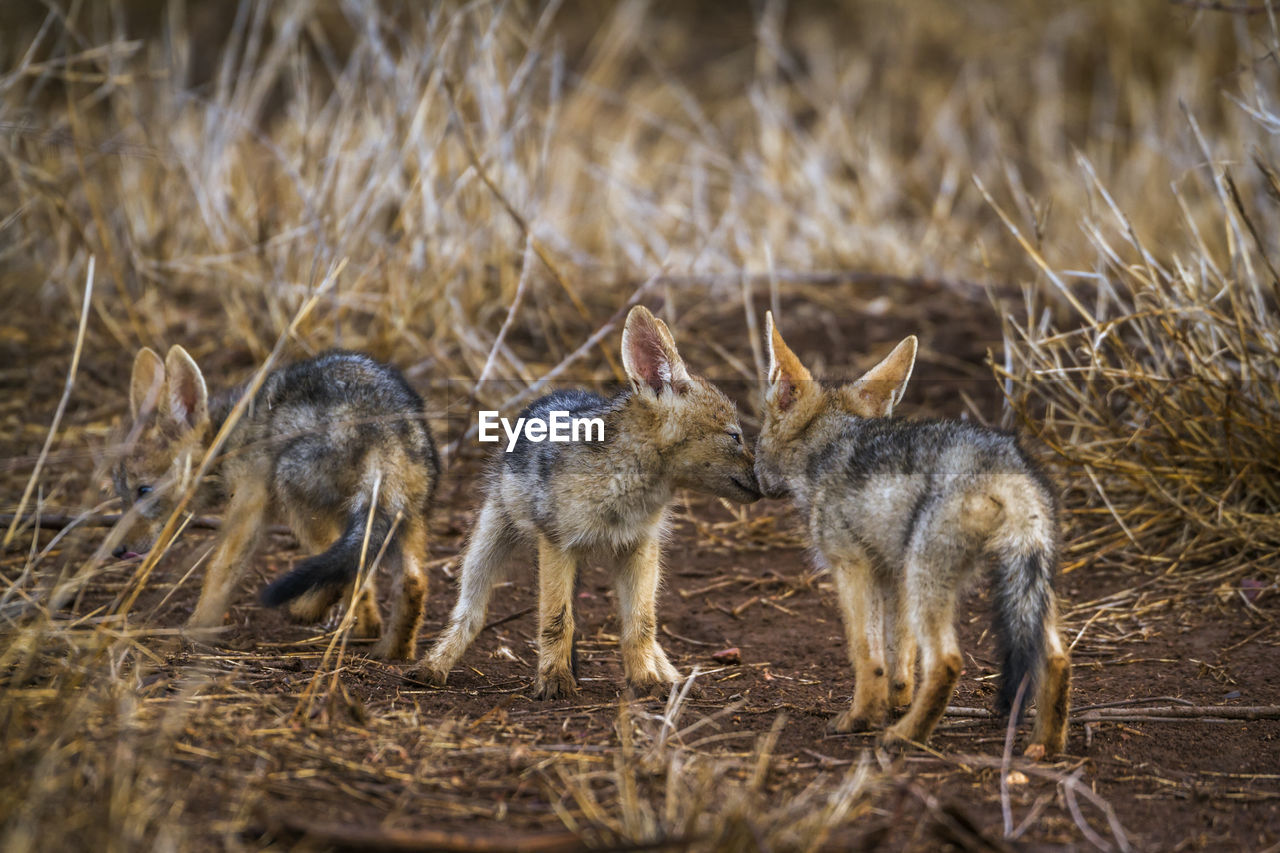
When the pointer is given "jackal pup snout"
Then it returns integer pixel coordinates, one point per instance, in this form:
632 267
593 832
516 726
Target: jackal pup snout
687 414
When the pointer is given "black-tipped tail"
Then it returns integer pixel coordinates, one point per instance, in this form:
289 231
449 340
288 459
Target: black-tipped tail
1023 596
336 567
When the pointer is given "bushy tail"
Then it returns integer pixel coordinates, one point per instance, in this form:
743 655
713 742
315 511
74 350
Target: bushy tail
339 565
1023 598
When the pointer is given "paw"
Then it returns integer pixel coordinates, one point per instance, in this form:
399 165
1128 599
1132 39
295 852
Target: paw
650 686
898 737
1041 750
855 720
557 684
428 673
205 620
901 694
655 690
656 677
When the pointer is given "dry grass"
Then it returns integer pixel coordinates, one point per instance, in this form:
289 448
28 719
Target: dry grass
1157 383
481 189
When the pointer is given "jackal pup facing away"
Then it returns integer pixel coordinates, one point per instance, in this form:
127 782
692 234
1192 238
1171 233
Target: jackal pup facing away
579 501
902 513
318 441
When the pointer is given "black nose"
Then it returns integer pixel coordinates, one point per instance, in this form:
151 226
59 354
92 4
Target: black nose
119 552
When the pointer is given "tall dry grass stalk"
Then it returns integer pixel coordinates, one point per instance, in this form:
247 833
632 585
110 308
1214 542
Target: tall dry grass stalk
1158 384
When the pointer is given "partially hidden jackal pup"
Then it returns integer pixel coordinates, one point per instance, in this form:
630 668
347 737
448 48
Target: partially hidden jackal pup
601 500
315 445
903 513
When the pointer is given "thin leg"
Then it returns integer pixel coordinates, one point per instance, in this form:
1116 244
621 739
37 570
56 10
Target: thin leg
408 593
862 606
932 611
315 534
368 621
1049 734
901 643
491 542
643 660
557 571
241 531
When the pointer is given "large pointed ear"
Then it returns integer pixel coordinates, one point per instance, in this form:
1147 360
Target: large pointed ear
679 373
649 353
147 383
788 378
881 388
187 399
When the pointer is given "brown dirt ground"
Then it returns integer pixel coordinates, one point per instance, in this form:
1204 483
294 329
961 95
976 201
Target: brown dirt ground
1173 785
729 583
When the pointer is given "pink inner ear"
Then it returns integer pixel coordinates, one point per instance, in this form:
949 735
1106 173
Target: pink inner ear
786 394
650 360
185 396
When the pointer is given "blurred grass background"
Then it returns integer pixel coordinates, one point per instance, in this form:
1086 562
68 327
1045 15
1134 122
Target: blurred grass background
1097 178
221 159
1072 163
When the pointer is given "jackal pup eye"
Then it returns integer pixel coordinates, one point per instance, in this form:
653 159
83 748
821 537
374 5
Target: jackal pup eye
143 491
735 435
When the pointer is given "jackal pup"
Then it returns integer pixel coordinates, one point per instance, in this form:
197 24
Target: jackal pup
608 500
902 513
317 442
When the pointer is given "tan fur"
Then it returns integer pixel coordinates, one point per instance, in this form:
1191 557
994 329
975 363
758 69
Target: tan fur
405 619
674 430
557 569
242 530
896 586
172 431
